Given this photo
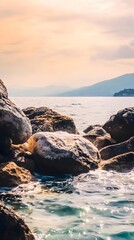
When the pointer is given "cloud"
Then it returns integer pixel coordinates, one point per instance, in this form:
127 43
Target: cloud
122 52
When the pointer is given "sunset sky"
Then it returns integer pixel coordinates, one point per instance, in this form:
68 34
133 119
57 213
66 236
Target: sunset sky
71 42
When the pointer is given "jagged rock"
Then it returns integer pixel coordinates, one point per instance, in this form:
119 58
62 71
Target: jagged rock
46 120
22 157
12 227
61 152
117 149
120 163
11 175
121 125
98 136
99 130
3 90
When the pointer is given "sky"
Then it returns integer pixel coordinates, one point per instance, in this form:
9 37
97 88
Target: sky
65 42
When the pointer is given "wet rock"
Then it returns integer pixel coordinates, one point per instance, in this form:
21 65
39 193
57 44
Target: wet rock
117 149
98 136
62 153
120 163
121 125
12 226
11 175
46 120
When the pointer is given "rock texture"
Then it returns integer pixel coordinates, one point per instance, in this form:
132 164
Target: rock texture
14 124
12 227
61 152
3 90
98 136
117 149
11 175
44 119
120 163
22 157
121 125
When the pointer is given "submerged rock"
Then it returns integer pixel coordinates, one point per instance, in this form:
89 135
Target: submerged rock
61 152
11 175
12 227
44 119
98 136
117 149
120 163
121 125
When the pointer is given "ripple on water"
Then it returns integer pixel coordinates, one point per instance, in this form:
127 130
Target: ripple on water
97 205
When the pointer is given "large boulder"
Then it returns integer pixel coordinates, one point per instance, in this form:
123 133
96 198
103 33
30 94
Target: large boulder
12 226
12 175
44 119
120 163
117 149
14 124
62 153
98 136
121 125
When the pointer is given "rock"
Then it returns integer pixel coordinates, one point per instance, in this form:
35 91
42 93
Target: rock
117 149
14 124
121 125
21 157
12 227
46 120
99 130
98 136
3 90
61 152
11 175
120 163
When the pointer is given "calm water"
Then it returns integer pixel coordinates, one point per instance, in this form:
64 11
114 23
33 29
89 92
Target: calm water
94 206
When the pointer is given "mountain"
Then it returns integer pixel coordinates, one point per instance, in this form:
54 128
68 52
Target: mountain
125 93
104 88
51 90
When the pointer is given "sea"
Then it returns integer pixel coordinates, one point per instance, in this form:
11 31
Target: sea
98 205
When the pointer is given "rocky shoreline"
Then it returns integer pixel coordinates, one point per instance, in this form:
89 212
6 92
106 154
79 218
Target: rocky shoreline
40 140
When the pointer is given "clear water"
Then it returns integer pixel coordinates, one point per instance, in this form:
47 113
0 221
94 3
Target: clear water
94 206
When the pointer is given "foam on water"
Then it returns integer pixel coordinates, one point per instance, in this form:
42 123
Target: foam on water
94 206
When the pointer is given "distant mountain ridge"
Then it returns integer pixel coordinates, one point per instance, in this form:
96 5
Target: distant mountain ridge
104 88
51 90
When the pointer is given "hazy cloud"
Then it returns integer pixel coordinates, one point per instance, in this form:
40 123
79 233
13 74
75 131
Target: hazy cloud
122 52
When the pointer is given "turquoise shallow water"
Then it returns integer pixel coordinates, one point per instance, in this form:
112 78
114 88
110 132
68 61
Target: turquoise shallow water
94 206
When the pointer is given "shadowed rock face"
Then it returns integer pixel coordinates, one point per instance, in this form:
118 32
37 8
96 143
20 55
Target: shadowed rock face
12 175
44 119
61 152
12 227
120 163
98 136
121 125
117 149
14 124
